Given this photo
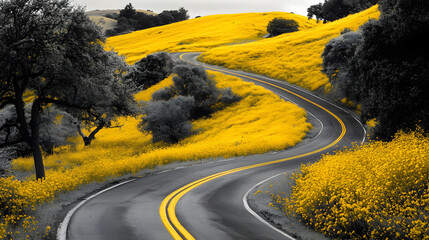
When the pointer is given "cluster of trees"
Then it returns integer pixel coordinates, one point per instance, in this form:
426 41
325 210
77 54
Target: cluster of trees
384 66
131 20
332 10
279 26
192 96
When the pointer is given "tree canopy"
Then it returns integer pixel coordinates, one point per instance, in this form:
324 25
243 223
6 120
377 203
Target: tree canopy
332 10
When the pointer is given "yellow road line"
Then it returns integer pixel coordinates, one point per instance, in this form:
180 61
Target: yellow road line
167 210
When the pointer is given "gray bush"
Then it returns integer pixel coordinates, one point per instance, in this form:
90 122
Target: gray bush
151 70
168 121
193 81
193 95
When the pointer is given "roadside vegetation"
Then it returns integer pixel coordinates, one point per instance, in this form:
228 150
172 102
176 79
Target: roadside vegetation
375 191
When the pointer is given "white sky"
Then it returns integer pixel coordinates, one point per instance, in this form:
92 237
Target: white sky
204 7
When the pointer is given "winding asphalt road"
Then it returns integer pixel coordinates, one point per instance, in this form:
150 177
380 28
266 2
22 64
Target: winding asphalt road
212 209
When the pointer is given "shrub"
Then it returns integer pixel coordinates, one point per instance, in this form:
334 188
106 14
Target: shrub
151 70
168 121
56 128
279 26
6 155
193 81
193 95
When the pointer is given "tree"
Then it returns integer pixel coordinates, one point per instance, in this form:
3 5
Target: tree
315 10
279 26
336 9
389 69
54 52
332 10
128 11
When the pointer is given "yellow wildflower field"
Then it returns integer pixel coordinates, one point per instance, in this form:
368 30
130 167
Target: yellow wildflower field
240 129
200 34
376 191
293 57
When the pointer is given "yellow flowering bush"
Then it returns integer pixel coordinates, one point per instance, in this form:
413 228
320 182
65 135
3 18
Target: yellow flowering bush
260 122
376 191
200 34
294 57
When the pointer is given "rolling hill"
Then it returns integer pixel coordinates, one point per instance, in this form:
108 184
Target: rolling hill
236 41
200 34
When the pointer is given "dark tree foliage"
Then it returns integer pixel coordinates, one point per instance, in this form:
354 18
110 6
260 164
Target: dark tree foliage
128 11
316 11
389 70
332 10
168 121
279 26
131 20
193 95
337 57
54 52
151 70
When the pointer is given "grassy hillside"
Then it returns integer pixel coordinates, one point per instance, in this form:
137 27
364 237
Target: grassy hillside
260 117
200 34
294 57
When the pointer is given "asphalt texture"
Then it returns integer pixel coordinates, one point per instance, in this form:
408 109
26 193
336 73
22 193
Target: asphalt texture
215 209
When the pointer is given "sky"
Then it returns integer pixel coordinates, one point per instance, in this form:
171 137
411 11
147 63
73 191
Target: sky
204 7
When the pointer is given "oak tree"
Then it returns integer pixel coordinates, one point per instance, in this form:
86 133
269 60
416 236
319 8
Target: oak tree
52 51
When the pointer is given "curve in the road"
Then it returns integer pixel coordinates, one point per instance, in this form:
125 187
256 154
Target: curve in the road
167 209
206 200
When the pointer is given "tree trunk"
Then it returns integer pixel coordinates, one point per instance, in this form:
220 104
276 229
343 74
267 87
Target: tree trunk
34 142
38 158
88 139
33 139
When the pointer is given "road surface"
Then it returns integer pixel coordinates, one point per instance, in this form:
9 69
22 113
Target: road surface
210 209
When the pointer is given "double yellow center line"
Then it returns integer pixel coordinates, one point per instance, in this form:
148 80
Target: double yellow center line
167 210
